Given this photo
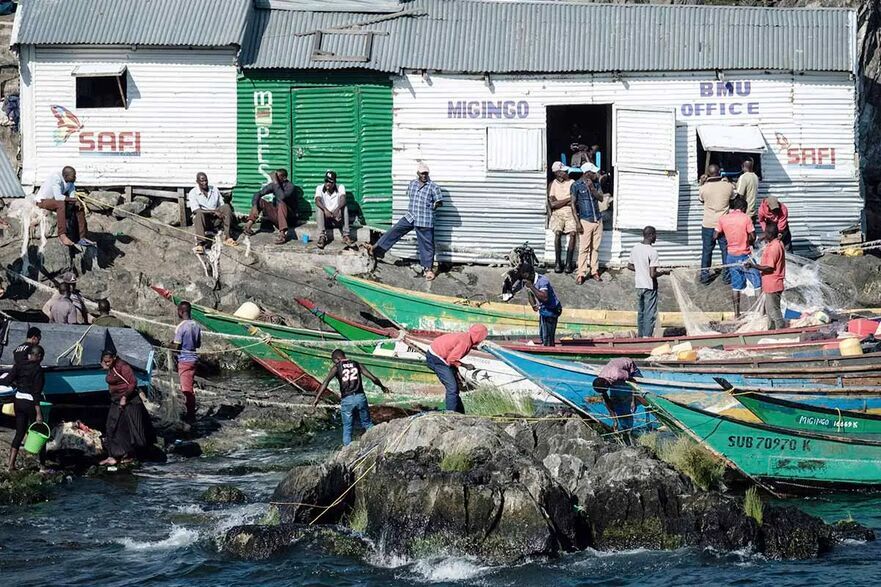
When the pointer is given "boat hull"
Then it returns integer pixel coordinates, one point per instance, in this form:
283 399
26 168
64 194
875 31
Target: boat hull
796 416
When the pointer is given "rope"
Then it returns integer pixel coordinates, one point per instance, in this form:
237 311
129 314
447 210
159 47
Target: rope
76 348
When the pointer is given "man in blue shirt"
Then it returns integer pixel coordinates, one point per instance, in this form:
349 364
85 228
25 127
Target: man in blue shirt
545 301
586 199
425 197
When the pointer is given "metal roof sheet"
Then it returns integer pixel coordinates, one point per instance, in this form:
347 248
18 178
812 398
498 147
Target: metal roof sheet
10 186
476 36
331 5
196 23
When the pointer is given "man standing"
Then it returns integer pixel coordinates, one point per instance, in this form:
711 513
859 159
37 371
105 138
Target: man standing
330 199
444 358
773 211
105 318
716 194
773 270
277 208
738 228
543 300
425 197
187 339
66 306
586 199
748 187
352 397
617 395
562 219
645 262
205 203
56 194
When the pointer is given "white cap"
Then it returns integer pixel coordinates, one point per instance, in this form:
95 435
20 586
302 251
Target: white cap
557 166
589 167
422 168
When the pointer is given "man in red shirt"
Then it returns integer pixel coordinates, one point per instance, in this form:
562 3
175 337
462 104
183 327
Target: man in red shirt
773 211
773 270
444 358
738 229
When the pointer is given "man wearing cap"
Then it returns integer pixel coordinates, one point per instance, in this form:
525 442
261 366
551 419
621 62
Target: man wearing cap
773 211
748 187
561 219
425 197
330 199
586 197
715 194
208 212
66 306
277 208
58 193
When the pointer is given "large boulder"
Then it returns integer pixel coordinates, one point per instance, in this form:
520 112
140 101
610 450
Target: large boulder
136 207
103 200
255 542
166 213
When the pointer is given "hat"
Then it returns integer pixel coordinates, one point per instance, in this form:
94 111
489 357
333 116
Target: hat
558 166
330 175
422 168
68 277
589 167
773 202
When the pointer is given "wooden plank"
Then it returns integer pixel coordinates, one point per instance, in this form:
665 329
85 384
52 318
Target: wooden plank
182 206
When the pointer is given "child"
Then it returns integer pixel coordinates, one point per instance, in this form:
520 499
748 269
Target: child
352 397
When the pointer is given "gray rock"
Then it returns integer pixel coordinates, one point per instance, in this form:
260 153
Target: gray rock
223 494
166 213
107 200
253 542
185 448
136 207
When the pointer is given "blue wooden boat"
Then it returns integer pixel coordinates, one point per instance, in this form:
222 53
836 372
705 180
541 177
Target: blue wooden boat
73 359
572 384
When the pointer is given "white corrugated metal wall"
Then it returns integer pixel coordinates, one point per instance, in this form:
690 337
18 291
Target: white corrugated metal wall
181 101
443 120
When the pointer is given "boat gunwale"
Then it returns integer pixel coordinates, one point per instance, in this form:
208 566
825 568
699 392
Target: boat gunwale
764 398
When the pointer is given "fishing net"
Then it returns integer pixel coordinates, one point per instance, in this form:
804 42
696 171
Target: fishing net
695 320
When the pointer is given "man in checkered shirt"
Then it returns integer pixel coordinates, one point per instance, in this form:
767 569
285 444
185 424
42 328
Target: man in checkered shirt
425 197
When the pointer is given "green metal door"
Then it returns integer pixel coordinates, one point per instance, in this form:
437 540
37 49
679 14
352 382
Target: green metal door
325 134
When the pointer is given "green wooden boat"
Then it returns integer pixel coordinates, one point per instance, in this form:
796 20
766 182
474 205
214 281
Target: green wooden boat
774 455
265 355
416 310
798 416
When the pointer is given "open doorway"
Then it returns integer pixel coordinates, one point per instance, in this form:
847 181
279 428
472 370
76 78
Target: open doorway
587 125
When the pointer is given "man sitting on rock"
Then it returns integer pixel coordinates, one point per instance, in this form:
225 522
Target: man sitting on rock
617 395
209 212
330 199
58 194
276 208
352 398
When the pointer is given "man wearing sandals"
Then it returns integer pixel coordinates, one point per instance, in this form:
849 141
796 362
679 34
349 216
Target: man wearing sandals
277 208
425 197
330 199
209 211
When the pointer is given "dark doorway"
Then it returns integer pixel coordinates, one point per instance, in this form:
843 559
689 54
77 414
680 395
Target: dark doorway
586 124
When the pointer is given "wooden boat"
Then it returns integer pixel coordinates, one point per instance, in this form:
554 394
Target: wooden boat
572 384
775 455
594 350
798 416
415 310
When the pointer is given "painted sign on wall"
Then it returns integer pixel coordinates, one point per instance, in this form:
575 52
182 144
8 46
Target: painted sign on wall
94 143
808 157
488 109
722 99
263 120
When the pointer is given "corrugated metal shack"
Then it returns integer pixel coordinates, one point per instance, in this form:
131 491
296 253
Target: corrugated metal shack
489 94
131 93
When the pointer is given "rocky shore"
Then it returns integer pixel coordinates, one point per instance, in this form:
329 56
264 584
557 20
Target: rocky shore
506 492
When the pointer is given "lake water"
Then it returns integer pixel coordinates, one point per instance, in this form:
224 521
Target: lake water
151 529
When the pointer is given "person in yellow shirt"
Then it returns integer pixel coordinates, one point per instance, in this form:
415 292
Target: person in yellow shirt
561 219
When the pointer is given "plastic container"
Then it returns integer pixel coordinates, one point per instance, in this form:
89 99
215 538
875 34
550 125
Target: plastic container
862 327
664 349
687 355
305 238
36 440
682 346
850 347
9 409
791 314
248 311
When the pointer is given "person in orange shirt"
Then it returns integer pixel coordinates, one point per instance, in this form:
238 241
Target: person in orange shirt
773 270
738 229
444 358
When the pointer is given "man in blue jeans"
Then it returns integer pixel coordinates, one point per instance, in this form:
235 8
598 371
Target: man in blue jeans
645 262
425 197
543 300
444 357
716 194
352 398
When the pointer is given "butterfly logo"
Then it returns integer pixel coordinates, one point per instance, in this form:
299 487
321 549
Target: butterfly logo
67 121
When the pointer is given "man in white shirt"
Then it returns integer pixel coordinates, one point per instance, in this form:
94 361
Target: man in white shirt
56 194
330 199
208 211
645 262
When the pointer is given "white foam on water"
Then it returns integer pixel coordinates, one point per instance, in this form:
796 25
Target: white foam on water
190 509
177 538
608 553
445 569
